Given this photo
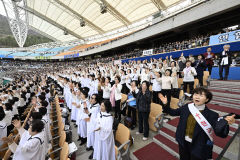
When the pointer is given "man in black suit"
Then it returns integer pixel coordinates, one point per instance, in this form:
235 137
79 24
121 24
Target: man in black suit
225 62
194 142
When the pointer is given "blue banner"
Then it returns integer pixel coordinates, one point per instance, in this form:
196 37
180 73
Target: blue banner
225 37
234 46
5 56
71 56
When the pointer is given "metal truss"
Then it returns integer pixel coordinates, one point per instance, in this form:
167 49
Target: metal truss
114 12
17 19
159 4
76 14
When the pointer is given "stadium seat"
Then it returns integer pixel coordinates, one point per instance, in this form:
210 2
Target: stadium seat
205 77
122 137
156 109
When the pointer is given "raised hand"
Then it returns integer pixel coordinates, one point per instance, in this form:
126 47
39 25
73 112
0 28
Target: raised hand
7 139
85 104
230 119
162 98
17 124
87 119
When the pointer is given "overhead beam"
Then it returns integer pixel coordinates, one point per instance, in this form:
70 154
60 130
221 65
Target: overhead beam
114 12
159 4
45 18
89 23
43 33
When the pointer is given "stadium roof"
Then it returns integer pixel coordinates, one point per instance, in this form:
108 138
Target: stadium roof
54 16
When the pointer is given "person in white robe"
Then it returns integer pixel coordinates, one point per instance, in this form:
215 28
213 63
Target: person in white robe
82 124
47 133
91 85
31 145
104 146
92 112
106 87
73 112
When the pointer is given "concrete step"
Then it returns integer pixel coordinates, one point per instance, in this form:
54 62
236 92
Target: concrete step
217 82
224 88
225 94
226 99
228 104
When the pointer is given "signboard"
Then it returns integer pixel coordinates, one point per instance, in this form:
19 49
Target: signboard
71 55
117 62
225 37
43 57
148 52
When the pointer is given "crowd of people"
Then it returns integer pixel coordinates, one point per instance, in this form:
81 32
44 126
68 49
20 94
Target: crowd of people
198 41
93 91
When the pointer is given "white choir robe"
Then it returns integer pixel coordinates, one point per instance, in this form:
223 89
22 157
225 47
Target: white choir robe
3 131
65 92
47 133
94 110
91 86
30 147
82 125
74 109
69 99
78 111
96 82
104 146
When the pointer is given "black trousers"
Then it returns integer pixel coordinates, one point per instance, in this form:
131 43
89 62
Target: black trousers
168 93
209 69
143 123
125 89
221 67
117 109
185 152
155 97
132 113
185 84
200 79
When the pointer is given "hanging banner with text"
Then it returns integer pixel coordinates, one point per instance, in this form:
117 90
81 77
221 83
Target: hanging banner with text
147 52
71 55
225 37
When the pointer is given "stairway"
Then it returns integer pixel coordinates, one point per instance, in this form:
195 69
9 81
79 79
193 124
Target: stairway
226 99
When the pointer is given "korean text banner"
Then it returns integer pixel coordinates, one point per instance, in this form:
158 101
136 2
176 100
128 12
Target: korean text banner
225 37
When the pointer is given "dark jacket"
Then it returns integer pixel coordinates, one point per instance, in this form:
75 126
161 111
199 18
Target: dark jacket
229 54
200 148
143 101
181 65
200 67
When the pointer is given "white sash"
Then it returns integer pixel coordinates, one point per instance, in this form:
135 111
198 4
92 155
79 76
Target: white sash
201 120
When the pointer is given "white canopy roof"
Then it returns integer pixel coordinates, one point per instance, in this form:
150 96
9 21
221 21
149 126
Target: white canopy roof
54 16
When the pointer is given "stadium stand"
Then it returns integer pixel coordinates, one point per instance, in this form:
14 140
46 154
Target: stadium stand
124 82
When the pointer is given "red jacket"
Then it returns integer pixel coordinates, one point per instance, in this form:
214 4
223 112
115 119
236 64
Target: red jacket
209 61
